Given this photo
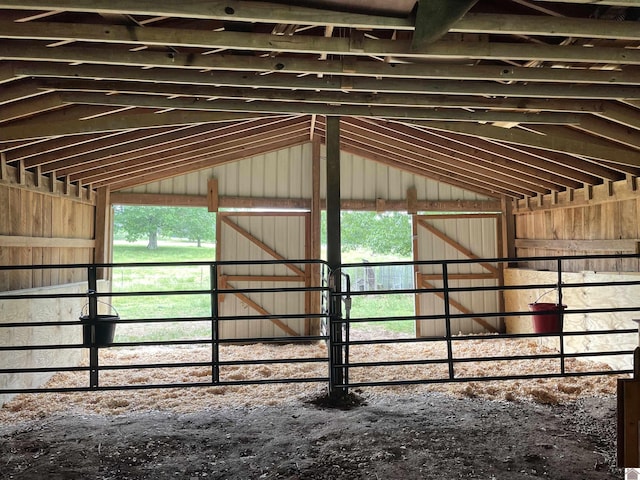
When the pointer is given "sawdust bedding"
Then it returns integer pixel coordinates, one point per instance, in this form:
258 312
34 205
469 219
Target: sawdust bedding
505 430
543 391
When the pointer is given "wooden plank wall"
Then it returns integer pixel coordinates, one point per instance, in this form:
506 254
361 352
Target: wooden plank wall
601 220
44 223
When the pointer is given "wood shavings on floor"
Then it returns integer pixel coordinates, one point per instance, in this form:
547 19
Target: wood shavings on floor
547 391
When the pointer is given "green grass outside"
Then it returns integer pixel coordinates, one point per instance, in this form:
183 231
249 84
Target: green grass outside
130 279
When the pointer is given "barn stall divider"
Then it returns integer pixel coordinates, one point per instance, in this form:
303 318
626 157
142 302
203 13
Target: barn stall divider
453 307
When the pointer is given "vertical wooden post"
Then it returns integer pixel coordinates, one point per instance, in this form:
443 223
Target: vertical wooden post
4 174
508 232
213 201
102 228
412 201
316 241
416 272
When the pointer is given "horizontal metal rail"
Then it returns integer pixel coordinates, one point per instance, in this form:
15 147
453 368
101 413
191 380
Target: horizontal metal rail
340 337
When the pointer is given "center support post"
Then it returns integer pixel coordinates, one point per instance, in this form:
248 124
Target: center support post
334 259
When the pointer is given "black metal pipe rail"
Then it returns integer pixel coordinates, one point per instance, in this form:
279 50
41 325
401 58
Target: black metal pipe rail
450 360
338 360
212 341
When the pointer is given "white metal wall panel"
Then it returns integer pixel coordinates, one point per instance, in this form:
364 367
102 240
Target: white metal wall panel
282 174
286 235
362 179
478 235
287 174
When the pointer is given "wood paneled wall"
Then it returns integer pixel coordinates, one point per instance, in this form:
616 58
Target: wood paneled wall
43 223
601 220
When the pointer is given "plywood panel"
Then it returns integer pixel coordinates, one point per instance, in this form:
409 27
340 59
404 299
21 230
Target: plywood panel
583 297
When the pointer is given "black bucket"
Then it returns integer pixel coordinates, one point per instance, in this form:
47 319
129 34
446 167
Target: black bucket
105 329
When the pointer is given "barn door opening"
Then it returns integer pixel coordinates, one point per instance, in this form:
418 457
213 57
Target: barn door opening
265 236
456 237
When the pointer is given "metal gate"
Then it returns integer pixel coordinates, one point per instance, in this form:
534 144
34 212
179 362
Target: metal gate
456 237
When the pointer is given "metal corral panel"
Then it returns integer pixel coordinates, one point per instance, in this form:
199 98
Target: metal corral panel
452 238
246 236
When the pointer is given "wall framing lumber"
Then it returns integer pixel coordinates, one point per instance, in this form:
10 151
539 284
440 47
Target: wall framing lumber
610 246
128 198
18 241
588 195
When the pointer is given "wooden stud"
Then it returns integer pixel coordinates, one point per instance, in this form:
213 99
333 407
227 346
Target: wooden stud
570 195
4 174
316 230
213 201
610 191
21 172
554 197
102 228
52 181
632 181
66 185
37 176
381 205
412 201
540 200
588 192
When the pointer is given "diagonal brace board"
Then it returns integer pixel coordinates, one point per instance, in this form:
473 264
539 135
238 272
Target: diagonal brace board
300 273
458 305
462 249
279 323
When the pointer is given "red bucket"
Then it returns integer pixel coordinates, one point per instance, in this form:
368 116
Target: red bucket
548 317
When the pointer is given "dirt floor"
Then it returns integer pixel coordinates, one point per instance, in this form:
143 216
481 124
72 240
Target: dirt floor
552 428
427 436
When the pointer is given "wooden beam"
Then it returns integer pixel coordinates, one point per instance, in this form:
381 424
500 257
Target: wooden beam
157 36
213 202
135 145
125 198
611 246
4 174
556 144
270 107
102 214
107 124
229 11
505 24
422 83
605 109
508 230
412 201
44 242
